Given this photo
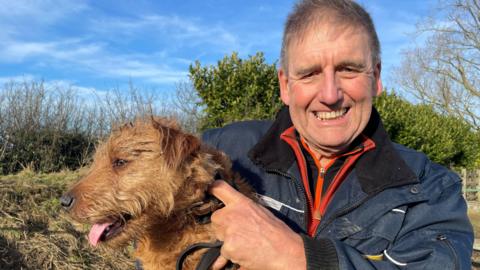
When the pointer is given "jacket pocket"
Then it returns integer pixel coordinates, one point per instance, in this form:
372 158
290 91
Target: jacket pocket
444 240
372 235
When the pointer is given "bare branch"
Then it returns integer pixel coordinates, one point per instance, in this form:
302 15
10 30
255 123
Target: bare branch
445 72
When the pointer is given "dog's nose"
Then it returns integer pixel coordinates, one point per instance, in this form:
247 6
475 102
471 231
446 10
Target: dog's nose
67 201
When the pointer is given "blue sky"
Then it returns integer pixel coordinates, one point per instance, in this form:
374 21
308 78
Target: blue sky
100 45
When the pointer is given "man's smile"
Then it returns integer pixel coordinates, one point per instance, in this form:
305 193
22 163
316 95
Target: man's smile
330 115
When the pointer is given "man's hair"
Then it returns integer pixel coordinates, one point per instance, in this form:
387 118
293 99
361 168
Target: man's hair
310 13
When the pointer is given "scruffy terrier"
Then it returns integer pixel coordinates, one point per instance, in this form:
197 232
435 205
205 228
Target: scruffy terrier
148 183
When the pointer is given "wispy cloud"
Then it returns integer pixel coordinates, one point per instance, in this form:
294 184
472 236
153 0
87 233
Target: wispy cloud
95 51
86 94
18 79
93 58
46 10
31 18
171 30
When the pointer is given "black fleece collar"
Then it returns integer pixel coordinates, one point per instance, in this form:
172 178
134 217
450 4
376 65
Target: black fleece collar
271 152
376 169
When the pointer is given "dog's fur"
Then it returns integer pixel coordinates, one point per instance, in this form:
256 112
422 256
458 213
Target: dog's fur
152 172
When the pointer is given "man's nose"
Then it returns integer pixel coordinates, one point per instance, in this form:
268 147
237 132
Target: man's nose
67 201
329 91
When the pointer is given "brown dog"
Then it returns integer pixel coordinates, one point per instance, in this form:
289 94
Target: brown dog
148 183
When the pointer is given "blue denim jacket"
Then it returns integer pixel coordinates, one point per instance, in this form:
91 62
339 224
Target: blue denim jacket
395 210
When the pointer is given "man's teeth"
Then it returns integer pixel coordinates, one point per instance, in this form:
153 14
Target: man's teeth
330 115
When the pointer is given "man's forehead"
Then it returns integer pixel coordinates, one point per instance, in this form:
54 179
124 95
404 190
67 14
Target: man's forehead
349 41
330 32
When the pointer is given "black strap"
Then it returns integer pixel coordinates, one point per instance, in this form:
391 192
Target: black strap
213 254
209 258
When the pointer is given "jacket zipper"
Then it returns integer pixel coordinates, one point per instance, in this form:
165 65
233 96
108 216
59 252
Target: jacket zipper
322 172
308 216
341 212
324 223
442 238
303 194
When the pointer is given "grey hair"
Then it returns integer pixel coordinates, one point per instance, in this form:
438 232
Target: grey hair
310 13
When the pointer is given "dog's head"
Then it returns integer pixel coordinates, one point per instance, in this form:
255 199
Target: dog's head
143 176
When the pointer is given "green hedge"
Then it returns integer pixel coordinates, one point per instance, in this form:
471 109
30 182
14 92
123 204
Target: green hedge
45 150
445 139
236 89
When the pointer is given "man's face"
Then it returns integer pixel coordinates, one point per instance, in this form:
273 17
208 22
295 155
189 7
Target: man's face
329 85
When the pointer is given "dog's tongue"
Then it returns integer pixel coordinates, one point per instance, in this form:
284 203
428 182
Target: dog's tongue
96 232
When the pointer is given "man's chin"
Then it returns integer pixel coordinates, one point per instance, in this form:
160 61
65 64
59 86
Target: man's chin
329 146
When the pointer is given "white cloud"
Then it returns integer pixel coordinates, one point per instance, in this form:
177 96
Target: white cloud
63 36
38 12
67 49
176 30
16 51
17 79
92 58
123 66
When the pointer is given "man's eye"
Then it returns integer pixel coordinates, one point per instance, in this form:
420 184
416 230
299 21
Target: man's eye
306 76
347 69
117 163
309 75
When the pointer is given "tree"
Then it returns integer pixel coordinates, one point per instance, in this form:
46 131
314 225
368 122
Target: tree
445 139
47 129
236 89
445 72
186 102
50 127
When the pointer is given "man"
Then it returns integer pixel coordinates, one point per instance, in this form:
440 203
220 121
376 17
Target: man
339 193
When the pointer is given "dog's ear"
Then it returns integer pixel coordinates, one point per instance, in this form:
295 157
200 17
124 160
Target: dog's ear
122 127
164 122
179 147
190 145
176 145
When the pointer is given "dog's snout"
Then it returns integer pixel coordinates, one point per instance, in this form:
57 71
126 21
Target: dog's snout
67 201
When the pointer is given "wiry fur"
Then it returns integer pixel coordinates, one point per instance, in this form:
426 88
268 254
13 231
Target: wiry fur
165 172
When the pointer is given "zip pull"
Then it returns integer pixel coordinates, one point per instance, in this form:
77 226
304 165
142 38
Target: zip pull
322 172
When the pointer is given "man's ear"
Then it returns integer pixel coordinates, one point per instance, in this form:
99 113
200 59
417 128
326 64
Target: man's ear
283 82
378 86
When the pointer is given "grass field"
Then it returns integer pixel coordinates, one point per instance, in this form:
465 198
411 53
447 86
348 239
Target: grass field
34 234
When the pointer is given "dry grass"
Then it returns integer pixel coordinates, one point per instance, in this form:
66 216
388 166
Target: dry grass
34 233
475 219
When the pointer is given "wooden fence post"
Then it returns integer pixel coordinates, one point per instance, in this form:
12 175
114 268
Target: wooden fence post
463 175
477 182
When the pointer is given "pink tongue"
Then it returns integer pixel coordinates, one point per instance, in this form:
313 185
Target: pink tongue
96 232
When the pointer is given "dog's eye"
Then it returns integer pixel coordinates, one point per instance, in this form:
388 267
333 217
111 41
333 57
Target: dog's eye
117 163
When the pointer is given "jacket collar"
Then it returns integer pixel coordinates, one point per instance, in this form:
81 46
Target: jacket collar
271 152
376 170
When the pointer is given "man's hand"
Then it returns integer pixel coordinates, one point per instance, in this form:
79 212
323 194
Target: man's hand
252 236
